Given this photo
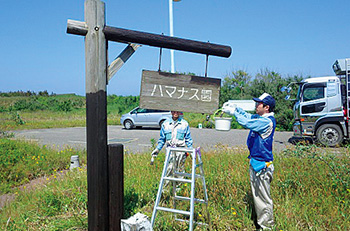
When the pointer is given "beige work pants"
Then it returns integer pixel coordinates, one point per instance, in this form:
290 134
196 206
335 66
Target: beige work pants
260 184
176 163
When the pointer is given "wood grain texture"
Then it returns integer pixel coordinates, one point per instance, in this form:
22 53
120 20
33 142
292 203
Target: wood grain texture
178 92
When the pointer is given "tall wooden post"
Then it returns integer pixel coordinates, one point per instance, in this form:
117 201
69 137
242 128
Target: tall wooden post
116 185
96 116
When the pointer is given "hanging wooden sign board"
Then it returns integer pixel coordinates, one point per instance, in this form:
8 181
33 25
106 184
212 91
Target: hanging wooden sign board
178 92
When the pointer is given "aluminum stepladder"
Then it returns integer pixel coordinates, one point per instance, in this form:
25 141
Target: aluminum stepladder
196 156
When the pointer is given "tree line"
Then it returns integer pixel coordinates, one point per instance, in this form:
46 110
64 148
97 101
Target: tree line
25 93
239 85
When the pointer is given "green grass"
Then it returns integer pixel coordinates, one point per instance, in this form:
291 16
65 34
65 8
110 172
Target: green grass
48 119
59 205
23 161
310 190
29 112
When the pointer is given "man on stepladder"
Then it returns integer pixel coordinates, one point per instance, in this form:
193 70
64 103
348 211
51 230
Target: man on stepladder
175 132
262 127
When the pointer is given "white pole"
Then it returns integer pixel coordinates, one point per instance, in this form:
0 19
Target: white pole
171 34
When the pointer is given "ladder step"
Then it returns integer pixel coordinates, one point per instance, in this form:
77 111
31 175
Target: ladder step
198 223
179 149
174 211
177 179
187 174
188 199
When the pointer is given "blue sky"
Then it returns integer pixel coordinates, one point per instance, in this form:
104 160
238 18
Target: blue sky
302 37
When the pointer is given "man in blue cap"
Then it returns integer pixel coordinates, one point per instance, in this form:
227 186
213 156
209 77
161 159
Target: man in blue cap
262 127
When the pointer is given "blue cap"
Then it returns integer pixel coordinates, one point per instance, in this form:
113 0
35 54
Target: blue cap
267 100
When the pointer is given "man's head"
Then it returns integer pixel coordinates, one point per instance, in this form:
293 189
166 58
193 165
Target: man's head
264 104
176 114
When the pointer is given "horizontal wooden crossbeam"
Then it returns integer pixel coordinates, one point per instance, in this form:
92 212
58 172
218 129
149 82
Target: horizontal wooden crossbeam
131 36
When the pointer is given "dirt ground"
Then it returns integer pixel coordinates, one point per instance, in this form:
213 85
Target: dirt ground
8 198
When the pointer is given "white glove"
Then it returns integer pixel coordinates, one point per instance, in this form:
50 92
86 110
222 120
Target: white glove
154 155
229 108
155 152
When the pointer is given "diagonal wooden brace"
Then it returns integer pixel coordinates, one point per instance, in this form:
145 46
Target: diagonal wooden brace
121 59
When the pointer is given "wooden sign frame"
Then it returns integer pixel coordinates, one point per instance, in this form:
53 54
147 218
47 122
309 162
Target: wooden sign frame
179 92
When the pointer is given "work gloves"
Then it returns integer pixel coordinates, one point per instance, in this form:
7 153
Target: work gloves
229 108
155 152
154 155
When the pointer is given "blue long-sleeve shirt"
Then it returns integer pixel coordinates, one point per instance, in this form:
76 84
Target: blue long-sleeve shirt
260 138
175 133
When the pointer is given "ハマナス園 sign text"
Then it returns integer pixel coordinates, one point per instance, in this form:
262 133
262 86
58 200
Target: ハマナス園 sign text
179 92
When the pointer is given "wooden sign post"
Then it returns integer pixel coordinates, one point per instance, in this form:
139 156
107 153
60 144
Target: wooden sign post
96 116
105 163
178 92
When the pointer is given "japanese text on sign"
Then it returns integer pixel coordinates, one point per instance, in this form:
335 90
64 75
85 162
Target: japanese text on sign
179 92
182 93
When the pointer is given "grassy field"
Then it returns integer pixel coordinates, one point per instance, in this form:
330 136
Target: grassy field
311 186
57 111
35 112
24 161
311 190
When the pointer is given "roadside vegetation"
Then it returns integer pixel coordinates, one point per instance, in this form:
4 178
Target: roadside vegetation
29 110
311 189
23 161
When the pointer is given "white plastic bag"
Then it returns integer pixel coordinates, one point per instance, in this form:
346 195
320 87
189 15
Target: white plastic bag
138 222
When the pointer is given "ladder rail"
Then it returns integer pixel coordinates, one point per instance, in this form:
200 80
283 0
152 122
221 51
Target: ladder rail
202 174
196 156
192 189
204 185
166 163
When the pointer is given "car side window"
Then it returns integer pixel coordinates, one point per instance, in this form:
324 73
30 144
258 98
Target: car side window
141 110
160 111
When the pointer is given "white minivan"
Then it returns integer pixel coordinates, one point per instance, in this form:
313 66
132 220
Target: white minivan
139 117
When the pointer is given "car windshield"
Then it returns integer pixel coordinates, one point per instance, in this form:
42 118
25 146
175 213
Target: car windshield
313 92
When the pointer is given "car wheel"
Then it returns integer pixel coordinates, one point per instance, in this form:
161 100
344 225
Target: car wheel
161 123
128 124
329 135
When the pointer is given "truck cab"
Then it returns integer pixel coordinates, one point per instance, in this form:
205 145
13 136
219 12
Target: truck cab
320 109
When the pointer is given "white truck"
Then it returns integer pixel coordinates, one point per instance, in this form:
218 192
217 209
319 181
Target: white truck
321 109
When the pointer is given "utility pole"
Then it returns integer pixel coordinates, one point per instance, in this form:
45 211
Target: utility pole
171 25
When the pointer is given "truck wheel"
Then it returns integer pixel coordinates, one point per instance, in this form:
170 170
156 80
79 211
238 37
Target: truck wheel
329 135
